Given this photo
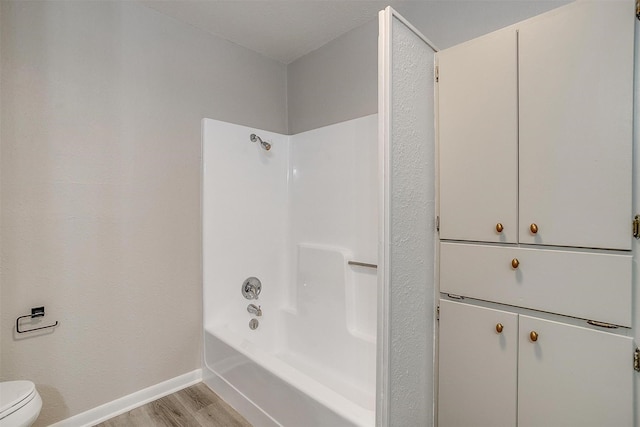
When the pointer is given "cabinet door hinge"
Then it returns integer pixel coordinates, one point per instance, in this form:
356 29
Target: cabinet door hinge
636 227
438 224
437 72
636 359
438 313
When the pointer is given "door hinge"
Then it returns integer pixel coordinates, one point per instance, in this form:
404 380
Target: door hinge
438 71
438 313
438 223
636 227
636 359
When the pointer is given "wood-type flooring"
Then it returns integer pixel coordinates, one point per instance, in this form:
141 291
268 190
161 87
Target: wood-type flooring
195 406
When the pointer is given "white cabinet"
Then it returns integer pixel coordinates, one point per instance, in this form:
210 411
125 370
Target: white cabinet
573 376
477 366
491 370
535 148
478 151
576 114
536 130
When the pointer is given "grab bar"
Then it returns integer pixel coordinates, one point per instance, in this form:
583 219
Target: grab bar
362 264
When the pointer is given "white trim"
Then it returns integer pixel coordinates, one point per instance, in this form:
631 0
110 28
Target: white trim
120 406
384 123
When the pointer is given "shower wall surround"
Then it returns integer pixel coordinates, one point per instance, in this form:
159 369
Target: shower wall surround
333 202
244 196
293 216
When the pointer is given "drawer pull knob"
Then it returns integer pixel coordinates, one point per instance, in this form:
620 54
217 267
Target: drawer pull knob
534 336
499 227
515 263
499 328
533 228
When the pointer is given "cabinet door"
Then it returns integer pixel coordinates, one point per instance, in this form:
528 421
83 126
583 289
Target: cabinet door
477 128
477 366
575 89
573 376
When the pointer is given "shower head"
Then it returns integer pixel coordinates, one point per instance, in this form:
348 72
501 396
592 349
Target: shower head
264 144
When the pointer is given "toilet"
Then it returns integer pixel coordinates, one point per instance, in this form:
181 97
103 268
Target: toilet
20 403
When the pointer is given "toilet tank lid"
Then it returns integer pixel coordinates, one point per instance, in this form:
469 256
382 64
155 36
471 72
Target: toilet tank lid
14 392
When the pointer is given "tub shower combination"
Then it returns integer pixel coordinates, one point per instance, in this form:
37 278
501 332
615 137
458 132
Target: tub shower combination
289 253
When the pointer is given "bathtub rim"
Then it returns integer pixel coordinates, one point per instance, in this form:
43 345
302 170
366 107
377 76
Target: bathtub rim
332 400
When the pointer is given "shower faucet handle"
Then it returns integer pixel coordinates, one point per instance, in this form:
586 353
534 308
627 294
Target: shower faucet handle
251 288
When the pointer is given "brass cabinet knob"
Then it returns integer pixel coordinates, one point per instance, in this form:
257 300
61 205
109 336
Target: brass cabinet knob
499 328
515 263
534 336
499 227
533 228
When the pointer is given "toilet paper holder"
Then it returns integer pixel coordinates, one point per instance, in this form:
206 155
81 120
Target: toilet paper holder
35 312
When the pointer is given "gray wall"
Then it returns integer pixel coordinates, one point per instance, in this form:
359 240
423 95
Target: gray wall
101 114
336 82
339 81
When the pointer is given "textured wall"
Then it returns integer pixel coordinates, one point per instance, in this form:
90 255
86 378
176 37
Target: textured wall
100 189
411 230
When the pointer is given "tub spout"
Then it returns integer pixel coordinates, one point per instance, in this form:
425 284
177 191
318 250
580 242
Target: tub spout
253 309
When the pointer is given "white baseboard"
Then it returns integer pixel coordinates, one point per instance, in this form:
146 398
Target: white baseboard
124 404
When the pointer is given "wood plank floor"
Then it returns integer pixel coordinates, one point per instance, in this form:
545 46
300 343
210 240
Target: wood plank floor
195 406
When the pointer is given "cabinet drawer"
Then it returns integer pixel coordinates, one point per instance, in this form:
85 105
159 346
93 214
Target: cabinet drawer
591 286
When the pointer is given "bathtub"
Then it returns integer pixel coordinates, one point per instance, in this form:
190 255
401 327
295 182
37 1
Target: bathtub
280 388
300 367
